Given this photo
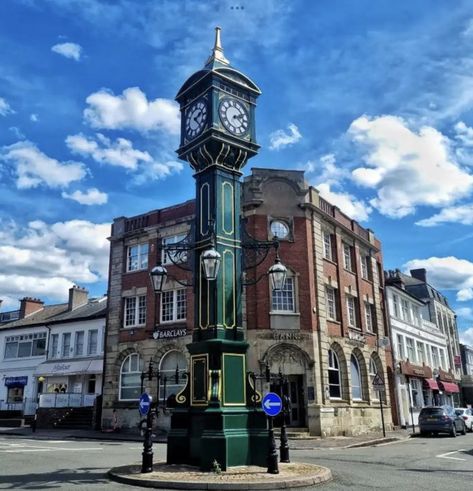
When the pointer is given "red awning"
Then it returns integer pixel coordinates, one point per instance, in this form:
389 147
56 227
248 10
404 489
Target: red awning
431 383
449 387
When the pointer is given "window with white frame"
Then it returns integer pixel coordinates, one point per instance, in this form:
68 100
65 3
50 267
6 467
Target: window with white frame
171 363
170 257
334 377
400 347
130 378
92 342
420 352
66 345
442 359
173 305
405 310
416 314
356 384
328 245
411 353
79 343
25 345
137 257
435 357
396 306
351 310
365 267
54 350
348 257
331 297
135 311
283 300
369 317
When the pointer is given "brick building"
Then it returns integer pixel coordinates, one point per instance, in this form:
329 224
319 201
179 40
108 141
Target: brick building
322 330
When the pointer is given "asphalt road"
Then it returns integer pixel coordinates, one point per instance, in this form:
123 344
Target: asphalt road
441 463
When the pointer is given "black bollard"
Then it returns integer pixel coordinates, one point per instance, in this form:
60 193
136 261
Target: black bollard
284 448
272 452
147 461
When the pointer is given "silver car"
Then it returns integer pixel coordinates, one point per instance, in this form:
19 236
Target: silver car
467 415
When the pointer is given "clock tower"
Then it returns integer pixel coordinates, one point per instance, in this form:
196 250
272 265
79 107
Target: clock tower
216 416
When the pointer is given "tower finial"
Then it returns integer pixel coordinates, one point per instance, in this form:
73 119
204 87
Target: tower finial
217 52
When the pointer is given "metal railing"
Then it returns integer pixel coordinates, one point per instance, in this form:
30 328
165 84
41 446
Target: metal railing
67 399
27 406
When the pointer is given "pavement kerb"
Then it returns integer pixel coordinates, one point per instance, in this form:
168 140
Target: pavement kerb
324 475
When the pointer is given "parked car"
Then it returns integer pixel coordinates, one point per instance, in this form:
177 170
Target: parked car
467 415
441 419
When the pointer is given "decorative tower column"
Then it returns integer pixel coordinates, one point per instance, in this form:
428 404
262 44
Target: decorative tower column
214 418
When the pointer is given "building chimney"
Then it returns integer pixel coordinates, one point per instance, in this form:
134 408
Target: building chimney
29 306
77 297
419 274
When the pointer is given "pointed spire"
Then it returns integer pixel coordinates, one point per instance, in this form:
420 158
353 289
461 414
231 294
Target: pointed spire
217 52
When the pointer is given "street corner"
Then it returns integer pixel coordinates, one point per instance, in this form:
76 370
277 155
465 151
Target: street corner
164 476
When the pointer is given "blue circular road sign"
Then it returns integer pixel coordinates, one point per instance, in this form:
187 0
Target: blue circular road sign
145 404
272 404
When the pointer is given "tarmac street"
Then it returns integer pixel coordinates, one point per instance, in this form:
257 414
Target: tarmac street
441 463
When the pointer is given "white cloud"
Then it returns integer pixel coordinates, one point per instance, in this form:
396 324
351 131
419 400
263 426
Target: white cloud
5 107
156 171
120 153
455 214
348 204
69 50
91 197
445 273
465 313
464 134
465 294
326 170
34 118
407 168
466 336
43 259
131 110
281 138
34 168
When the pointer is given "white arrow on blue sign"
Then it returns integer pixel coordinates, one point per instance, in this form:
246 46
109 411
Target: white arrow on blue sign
272 404
145 404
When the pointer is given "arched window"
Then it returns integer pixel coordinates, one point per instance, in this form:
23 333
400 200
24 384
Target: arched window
356 387
171 362
334 378
130 377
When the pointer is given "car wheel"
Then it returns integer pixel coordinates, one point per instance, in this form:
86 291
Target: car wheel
464 429
424 433
453 431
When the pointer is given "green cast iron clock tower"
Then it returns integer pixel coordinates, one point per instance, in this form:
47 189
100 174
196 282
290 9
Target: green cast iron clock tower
215 417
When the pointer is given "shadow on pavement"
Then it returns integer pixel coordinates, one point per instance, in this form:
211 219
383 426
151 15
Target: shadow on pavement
59 479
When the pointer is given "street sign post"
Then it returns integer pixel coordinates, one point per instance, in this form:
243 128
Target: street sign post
144 404
378 385
272 404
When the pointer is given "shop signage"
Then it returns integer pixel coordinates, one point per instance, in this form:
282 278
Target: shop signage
16 381
287 336
457 360
61 367
356 337
169 333
411 370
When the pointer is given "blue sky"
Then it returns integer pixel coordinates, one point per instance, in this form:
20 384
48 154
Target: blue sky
374 100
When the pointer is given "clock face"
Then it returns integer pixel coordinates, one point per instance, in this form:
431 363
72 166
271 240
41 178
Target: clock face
279 229
196 118
234 116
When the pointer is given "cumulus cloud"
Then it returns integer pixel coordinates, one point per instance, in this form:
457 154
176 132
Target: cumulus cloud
34 118
348 204
464 134
131 110
407 168
445 273
156 171
281 138
455 214
120 153
90 197
465 294
5 107
466 336
465 313
34 168
327 170
44 259
69 50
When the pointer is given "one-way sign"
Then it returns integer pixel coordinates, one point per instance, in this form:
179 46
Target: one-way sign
145 404
272 404
378 382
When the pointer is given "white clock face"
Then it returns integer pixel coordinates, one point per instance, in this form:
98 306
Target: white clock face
279 229
196 118
234 116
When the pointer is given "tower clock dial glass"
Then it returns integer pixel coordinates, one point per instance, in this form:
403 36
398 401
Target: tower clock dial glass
234 116
196 118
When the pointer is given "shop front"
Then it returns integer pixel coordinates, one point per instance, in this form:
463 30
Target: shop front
449 389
